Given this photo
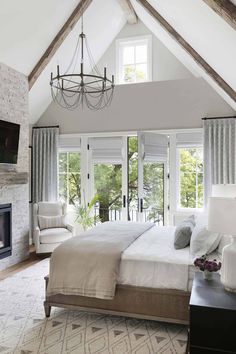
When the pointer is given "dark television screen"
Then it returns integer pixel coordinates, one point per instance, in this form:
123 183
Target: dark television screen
9 140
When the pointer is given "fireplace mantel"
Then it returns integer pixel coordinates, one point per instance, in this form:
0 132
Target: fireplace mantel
8 178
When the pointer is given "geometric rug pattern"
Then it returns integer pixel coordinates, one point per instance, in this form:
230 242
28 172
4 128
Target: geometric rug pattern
25 330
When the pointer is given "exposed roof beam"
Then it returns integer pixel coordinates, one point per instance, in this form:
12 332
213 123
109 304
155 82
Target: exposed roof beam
57 41
130 13
192 52
225 8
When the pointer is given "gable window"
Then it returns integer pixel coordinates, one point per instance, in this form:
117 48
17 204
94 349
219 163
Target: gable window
134 62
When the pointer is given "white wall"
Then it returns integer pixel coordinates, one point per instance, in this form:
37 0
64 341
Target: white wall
165 66
154 105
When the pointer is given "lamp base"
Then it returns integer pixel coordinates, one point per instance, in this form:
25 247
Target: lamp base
228 274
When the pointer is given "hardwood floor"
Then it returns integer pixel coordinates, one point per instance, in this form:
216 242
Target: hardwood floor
33 259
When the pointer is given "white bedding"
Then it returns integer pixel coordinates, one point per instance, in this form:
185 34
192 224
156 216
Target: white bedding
152 261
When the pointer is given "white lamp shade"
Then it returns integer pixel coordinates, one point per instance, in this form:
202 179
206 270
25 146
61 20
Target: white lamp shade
222 215
223 190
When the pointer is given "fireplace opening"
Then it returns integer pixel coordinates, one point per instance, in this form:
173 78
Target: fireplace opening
5 230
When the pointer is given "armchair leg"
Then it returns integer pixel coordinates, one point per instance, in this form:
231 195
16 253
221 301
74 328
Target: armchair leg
47 309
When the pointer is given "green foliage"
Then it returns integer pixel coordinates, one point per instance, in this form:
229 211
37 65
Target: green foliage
69 177
108 186
84 214
191 178
132 74
153 184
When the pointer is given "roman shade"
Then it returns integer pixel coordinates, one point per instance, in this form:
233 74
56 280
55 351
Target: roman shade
69 143
106 150
153 147
189 140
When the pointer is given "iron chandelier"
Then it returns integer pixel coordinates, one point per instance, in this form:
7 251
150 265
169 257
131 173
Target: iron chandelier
73 89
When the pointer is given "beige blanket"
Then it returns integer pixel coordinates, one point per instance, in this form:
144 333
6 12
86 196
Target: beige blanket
88 265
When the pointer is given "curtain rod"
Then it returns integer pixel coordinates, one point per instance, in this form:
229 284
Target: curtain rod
49 126
219 117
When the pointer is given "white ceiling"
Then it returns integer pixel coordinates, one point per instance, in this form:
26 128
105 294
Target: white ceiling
27 27
212 37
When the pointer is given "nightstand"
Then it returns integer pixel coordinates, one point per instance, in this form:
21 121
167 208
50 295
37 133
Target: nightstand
212 317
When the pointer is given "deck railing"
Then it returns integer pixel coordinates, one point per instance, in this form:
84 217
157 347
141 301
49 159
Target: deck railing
116 215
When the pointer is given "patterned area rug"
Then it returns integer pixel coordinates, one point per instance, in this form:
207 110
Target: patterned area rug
25 330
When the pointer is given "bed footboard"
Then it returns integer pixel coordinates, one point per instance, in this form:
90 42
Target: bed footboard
165 305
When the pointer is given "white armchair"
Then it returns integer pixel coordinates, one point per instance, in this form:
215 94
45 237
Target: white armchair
50 229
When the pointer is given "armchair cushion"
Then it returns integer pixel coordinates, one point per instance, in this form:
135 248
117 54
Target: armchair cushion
50 209
54 235
48 222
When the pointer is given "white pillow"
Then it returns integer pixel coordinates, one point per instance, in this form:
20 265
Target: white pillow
203 241
201 219
48 222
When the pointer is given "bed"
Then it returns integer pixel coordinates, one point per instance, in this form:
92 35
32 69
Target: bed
154 282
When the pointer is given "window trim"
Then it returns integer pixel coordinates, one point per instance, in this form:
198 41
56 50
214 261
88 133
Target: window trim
124 42
178 207
67 151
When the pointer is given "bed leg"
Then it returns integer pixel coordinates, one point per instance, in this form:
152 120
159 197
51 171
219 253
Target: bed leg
47 309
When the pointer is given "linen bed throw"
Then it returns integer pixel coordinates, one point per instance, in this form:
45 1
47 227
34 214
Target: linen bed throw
88 265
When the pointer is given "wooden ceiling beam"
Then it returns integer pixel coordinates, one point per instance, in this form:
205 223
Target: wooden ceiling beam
190 50
130 13
57 41
225 9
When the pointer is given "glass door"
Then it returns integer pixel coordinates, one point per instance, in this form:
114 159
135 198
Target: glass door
152 178
132 205
153 192
108 187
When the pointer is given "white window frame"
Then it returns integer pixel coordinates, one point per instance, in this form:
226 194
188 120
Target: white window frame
179 208
63 151
125 42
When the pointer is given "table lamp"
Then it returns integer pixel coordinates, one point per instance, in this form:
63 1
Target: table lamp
222 219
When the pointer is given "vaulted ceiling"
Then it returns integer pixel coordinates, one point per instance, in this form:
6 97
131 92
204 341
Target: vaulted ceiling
28 27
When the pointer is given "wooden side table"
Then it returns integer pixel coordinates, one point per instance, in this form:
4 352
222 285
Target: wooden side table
212 317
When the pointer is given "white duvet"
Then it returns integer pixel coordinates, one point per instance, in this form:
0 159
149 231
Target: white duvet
152 261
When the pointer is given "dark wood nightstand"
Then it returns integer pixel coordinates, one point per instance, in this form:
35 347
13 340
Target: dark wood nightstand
212 317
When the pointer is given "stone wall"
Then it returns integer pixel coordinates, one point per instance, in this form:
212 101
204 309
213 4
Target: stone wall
14 108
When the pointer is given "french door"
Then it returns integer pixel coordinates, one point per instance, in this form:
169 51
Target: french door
152 178
108 173
130 178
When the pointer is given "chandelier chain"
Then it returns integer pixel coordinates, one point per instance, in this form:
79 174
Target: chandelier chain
76 88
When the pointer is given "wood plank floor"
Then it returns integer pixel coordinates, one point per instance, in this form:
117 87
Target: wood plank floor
33 259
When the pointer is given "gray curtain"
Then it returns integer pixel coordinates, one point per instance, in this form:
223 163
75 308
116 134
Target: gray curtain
45 148
219 153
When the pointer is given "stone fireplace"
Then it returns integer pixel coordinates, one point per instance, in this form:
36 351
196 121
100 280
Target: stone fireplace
14 188
5 230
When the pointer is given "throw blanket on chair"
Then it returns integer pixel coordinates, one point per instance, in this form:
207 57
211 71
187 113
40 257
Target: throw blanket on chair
88 265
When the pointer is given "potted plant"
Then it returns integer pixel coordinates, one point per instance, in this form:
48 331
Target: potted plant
206 266
84 214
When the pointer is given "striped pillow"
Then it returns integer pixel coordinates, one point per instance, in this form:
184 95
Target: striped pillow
48 222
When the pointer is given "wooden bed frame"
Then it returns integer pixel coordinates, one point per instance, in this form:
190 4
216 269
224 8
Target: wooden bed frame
164 305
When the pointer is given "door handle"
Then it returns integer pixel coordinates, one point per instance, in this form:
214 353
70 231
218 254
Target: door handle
141 205
124 201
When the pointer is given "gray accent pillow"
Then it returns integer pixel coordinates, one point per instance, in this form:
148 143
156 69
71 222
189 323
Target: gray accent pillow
183 233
